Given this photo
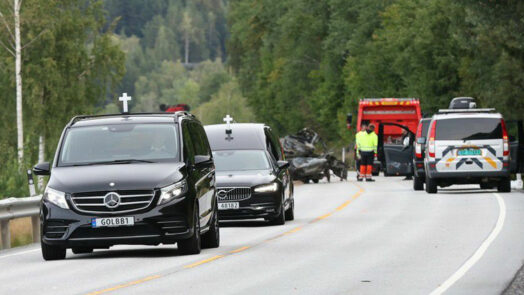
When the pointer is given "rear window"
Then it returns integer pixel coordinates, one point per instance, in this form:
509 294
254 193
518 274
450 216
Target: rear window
469 129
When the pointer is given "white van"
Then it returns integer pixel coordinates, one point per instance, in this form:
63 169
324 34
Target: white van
467 146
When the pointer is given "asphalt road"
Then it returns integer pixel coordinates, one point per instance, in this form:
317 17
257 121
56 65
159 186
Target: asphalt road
347 238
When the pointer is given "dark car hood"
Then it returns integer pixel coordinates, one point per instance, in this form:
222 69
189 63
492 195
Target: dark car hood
248 178
139 176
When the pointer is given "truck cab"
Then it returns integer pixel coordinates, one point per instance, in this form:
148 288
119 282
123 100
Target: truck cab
391 116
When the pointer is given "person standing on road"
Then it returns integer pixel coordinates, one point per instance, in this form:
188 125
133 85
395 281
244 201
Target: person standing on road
406 143
367 146
363 128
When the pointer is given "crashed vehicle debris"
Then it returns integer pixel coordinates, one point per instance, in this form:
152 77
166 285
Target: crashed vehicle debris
305 164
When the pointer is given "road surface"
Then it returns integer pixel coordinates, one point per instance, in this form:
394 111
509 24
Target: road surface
347 238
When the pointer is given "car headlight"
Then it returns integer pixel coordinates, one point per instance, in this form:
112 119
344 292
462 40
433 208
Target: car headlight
56 197
173 191
267 188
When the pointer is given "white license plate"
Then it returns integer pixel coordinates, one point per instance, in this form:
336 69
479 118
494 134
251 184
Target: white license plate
112 221
228 205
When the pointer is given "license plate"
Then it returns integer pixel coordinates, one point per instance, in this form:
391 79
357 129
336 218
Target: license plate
469 152
228 205
112 221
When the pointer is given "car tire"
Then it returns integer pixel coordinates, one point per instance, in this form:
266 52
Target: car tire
315 180
418 184
192 245
211 239
50 252
504 185
280 219
290 212
431 185
305 180
82 250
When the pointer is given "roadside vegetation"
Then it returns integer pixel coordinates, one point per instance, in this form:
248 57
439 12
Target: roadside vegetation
289 63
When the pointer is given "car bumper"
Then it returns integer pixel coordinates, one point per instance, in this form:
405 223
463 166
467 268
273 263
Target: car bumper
167 223
264 205
433 173
419 168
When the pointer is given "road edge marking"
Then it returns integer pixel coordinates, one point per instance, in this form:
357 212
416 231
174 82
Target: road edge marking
478 253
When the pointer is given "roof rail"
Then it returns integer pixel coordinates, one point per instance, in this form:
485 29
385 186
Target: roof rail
84 117
454 111
390 98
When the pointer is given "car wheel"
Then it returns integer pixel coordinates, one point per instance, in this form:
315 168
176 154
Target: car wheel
431 185
305 180
211 239
50 252
418 184
315 180
281 218
192 245
290 213
82 250
504 185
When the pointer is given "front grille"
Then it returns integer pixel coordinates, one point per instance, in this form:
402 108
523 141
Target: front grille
173 224
233 193
129 201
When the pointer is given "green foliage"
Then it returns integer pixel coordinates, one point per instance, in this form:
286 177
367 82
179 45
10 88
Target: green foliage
307 63
67 70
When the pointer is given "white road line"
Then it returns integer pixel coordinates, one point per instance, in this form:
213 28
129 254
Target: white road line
480 251
19 253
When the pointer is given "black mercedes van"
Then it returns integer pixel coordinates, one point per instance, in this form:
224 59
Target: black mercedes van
129 179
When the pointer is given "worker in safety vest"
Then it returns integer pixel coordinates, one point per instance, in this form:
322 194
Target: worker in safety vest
367 147
363 128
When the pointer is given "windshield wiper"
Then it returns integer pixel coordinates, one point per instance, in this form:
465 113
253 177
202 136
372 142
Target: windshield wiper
122 161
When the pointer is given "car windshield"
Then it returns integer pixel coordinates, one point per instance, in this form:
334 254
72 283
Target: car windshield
469 129
119 143
240 160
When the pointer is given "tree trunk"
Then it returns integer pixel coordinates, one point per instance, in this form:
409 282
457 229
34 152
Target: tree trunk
186 47
18 73
41 158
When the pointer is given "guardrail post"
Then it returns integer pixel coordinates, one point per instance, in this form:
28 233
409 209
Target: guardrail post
344 155
6 234
35 223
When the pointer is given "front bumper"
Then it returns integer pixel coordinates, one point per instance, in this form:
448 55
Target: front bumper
259 205
167 224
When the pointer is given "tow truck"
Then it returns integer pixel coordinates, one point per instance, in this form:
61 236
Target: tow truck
391 116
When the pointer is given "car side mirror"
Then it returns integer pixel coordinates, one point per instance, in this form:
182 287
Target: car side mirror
201 159
421 140
42 169
282 165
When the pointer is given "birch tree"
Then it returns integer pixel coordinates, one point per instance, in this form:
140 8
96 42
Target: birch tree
14 47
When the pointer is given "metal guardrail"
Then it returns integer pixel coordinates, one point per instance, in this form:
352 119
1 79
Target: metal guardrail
13 208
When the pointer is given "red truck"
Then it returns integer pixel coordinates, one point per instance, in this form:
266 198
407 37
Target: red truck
391 116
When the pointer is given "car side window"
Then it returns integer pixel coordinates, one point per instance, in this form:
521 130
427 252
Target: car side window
205 143
189 154
198 143
274 147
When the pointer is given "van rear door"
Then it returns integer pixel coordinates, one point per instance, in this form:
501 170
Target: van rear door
469 144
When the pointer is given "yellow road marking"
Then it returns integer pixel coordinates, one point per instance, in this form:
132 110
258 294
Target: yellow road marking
153 277
294 230
146 279
239 249
204 261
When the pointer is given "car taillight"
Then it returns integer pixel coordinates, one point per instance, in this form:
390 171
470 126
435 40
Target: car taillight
431 142
418 146
505 139
418 150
